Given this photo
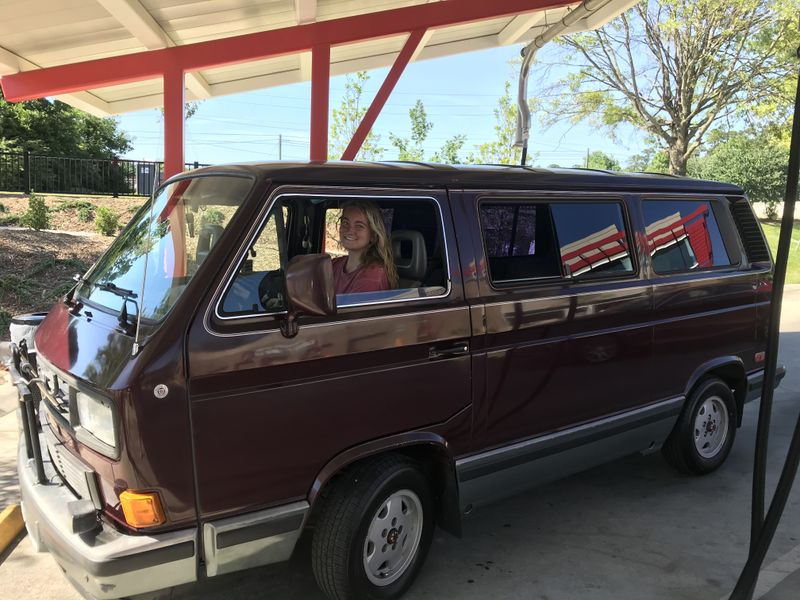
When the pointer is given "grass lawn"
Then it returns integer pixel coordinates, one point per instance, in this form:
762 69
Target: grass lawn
772 231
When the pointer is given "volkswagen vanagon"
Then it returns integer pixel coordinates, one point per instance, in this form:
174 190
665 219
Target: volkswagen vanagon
202 398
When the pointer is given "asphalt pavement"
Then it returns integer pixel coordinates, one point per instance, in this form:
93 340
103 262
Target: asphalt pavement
629 530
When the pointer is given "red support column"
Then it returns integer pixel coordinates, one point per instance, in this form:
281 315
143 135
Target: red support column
173 122
378 103
320 92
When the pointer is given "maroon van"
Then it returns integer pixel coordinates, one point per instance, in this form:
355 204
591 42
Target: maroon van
202 397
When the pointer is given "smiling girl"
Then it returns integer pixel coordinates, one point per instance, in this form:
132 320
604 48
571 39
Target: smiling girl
368 266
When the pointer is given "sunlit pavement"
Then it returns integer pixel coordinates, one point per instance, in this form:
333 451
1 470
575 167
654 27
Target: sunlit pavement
633 529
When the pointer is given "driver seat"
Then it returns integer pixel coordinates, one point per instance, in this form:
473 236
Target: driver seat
410 257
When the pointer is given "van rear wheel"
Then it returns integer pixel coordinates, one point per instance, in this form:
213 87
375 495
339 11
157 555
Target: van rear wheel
374 530
704 434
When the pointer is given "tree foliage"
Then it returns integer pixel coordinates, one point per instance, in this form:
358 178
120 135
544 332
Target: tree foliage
753 162
501 150
51 127
347 117
601 160
674 69
412 148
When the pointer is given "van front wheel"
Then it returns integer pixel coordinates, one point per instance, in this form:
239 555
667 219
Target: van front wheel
374 530
704 434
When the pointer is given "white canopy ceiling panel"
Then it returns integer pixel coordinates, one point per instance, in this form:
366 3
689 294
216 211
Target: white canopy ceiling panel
50 57
251 69
46 33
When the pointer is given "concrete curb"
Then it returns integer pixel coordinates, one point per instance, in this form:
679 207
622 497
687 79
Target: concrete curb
11 524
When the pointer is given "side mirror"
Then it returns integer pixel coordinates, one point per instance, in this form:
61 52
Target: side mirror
309 290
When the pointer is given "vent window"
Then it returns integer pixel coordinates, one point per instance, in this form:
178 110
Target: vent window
749 231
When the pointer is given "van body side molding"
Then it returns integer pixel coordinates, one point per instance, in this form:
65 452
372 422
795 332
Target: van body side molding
489 476
253 539
755 381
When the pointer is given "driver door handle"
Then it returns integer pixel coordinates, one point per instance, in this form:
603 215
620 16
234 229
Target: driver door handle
448 350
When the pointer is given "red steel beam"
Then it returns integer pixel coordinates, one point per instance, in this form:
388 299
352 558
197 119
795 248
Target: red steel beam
320 91
75 77
173 122
383 94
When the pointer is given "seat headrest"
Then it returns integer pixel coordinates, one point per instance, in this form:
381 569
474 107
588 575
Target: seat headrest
410 255
208 235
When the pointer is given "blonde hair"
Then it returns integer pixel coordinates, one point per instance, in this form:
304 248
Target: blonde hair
378 252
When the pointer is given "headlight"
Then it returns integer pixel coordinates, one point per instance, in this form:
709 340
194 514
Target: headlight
97 417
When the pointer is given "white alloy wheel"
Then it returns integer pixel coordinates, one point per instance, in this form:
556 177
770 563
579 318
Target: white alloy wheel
393 537
711 427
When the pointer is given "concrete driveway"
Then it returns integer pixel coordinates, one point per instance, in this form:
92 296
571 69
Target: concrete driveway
632 529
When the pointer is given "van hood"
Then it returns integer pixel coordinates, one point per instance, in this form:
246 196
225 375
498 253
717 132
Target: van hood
88 346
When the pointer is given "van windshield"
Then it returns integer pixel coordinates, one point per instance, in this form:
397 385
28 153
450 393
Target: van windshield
149 265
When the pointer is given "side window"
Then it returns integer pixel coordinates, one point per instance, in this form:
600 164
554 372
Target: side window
519 241
683 236
526 241
257 286
414 245
592 239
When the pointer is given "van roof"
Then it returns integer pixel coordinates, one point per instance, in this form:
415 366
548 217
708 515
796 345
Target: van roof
431 175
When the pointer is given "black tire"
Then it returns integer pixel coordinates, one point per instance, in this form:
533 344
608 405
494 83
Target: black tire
356 500
704 434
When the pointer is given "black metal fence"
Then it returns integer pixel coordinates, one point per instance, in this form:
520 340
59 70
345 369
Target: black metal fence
95 176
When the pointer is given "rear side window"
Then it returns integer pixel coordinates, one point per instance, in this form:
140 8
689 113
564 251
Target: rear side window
527 241
683 236
592 238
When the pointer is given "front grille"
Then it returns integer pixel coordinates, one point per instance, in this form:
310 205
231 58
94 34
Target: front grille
749 231
79 477
58 390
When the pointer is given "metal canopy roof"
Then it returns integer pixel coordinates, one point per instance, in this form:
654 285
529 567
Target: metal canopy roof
39 34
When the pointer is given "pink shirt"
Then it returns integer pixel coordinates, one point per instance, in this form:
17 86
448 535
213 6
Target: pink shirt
367 278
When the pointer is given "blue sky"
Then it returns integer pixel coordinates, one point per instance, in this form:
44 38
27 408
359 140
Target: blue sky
459 94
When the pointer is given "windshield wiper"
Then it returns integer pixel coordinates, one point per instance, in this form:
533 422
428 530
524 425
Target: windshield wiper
115 289
126 295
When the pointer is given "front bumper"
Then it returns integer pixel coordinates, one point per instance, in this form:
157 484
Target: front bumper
104 563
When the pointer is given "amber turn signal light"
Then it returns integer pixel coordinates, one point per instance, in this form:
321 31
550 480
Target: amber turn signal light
142 509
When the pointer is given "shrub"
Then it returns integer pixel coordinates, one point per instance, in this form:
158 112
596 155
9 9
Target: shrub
73 204
85 213
212 217
5 322
37 217
106 221
3 208
772 209
10 220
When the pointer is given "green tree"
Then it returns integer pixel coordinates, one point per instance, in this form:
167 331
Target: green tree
54 128
601 160
346 119
189 109
501 150
448 153
674 69
412 148
753 162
